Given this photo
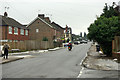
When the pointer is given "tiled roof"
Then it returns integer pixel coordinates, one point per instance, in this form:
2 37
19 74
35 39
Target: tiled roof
56 26
7 21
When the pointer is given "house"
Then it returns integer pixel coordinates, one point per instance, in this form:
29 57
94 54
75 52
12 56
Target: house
59 31
11 30
40 28
67 34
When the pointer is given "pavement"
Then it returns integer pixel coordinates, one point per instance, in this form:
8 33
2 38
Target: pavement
98 65
99 61
22 55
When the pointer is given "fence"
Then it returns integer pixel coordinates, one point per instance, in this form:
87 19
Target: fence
30 45
116 44
116 47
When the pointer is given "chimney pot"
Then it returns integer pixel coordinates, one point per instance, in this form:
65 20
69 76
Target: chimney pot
5 14
41 16
47 19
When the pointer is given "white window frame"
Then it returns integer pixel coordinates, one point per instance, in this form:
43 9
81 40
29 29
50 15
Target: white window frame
37 30
16 33
55 33
15 41
10 30
9 40
22 31
26 32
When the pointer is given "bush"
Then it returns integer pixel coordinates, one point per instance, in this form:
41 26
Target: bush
45 39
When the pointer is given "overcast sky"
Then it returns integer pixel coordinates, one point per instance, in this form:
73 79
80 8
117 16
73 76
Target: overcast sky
77 14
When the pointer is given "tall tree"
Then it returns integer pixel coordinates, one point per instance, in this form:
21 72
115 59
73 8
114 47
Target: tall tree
104 29
109 11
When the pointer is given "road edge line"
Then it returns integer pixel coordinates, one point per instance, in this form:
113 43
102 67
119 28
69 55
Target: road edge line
81 64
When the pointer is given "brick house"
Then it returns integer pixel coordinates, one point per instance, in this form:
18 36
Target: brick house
59 31
40 28
12 30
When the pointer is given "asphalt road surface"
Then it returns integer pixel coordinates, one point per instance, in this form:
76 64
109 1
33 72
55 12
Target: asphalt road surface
52 64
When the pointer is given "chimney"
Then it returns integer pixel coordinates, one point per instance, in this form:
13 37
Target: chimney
5 14
47 19
41 16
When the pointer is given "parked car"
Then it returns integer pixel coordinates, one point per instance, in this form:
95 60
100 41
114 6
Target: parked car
83 41
76 42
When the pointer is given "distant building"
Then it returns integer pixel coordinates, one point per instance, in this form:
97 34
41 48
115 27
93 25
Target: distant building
68 34
12 30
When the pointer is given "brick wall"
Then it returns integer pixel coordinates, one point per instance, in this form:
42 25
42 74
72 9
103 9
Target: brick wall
6 36
44 31
3 32
17 37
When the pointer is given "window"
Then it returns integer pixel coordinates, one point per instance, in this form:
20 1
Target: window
21 41
22 31
9 40
55 32
15 30
37 30
26 32
15 41
10 30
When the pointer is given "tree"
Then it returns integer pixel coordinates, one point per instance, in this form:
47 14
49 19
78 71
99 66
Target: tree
103 31
104 28
109 11
45 39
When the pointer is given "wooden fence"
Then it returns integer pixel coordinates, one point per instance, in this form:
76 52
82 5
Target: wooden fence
30 45
116 47
116 44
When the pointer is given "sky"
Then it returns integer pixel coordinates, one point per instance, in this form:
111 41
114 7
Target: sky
77 14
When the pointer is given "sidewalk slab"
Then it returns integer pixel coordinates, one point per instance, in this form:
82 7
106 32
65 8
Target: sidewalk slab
10 59
54 49
97 65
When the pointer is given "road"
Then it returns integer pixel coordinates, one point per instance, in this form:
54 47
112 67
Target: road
52 64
